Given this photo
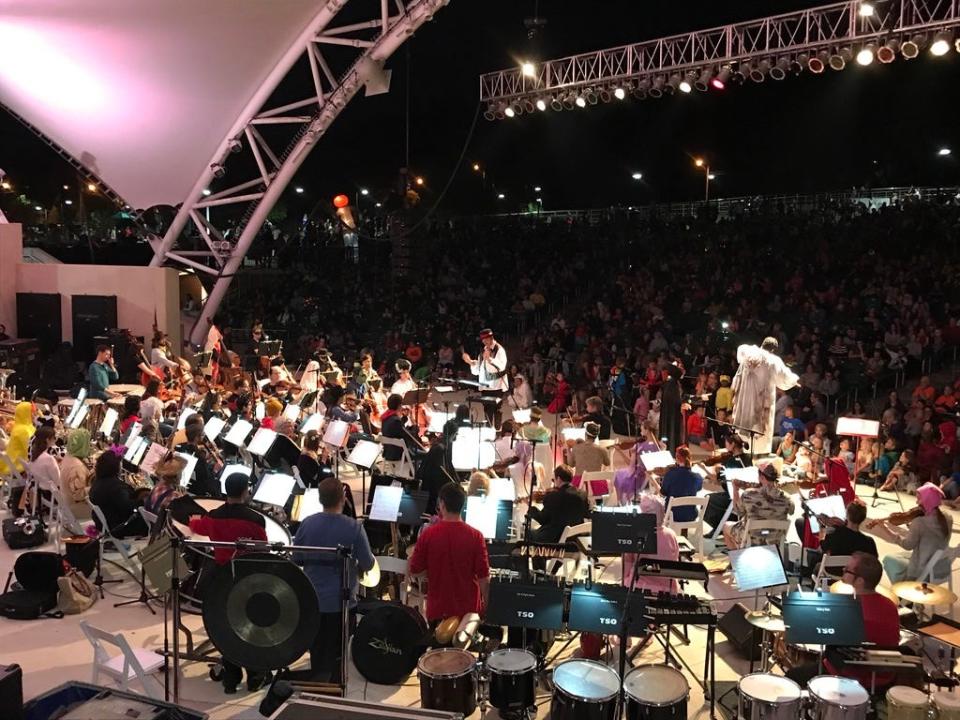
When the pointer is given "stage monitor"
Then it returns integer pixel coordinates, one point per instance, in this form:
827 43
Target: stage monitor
757 567
599 609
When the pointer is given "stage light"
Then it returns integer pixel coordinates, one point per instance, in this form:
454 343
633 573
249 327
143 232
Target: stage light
529 69
684 86
779 71
5 185
758 71
206 192
699 162
605 94
218 172
866 10
476 167
943 152
940 45
799 63
818 64
489 113
537 188
68 202
911 48
528 105
888 53
740 75
711 176
956 45
91 187
420 181
720 81
656 89
66 187
298 190
590 96
568 101
637 176
619 93
702 83
364 192
672 84
38 208
541 104
378 205
509 111
501 196
865 56
839 60
580 102
556 104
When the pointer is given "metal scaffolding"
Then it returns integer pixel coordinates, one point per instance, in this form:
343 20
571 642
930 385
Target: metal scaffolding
792 42
370 43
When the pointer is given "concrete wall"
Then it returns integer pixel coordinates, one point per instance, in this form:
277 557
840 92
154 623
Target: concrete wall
140 291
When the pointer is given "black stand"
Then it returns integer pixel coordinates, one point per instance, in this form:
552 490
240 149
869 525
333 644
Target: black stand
145 597
750 431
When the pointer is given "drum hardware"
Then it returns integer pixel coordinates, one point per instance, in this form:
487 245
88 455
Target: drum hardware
924 593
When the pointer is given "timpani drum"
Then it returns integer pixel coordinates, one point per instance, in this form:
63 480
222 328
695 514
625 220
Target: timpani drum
584 690
907 703
656 692
946 705
276 533
512 679
126 389
837 698
769 697
448 681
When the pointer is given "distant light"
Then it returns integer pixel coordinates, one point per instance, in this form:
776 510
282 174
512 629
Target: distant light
529 69
541 105
540 200
206 192
698 162
718 84
379 205
91 187
619 93
866 10
711 176
724 324
509 111
943 152
580 102
500 196
37 208
68 202
66 187
537 189
476 167
298 190
865 56
364 191
941 45
685 87
5 185
637 176
419 181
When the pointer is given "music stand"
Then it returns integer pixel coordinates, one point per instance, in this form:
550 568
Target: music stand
364 455
262 441
270 348
657 459
623 530
313 422
238 433
861 428
187 473
599 608
335 436
275 489
823 619
413 504
109 422
202 360
229 470
526 605
386 503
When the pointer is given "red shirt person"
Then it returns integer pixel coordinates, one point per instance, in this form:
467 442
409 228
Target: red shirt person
454 557
231 521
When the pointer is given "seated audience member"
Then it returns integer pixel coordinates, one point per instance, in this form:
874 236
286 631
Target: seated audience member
697 426
765 502
922 537
902 475
792 424
681 481
563 505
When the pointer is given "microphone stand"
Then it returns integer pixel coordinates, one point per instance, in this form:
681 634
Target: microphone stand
741 429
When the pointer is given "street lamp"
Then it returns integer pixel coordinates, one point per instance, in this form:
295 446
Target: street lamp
364 192
91 187
419 181
707 176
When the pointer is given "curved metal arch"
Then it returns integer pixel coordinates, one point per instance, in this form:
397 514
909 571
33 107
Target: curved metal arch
261 193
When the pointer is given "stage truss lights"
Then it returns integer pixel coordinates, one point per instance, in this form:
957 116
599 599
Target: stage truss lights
528 69
605 94
839 60
911 48
866 54
818 64
720 81
866 10
590 95
888 53
799 63
541 104
500 113
702 83
941 44
656 88
619 93
570 101
758 71
509 111
685 86
489 113
556 104
673 82
580 102
779 70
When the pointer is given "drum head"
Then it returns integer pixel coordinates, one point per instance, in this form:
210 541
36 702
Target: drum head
838 691
586 680
512 660
656 685
769 688
944 700
906 696
446 662
388 642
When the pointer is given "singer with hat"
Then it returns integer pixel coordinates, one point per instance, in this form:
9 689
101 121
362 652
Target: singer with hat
491 371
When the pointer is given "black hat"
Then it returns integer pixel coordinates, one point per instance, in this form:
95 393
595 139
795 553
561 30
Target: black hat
485 333
402 365
235 484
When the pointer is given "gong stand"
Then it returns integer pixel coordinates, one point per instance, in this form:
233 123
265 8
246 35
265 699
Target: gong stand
176 543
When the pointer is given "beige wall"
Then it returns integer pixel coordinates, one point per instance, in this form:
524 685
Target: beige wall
140 291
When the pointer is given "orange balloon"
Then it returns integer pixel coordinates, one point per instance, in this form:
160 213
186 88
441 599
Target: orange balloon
341 201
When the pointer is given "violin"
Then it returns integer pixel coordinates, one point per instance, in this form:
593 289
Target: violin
897 518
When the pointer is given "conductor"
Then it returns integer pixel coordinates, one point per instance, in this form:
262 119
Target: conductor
491 371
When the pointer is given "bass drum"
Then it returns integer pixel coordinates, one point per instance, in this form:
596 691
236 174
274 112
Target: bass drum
388 643
656 692
448 681
584 690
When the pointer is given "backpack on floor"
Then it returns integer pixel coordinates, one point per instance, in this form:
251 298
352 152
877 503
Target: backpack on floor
35 596
24 532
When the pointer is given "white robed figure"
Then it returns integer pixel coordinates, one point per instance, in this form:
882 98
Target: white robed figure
754 386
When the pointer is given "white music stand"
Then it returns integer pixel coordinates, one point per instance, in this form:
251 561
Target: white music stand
275 489
861 428
364 454
213 427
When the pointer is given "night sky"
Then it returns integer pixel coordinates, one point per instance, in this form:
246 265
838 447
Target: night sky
880 125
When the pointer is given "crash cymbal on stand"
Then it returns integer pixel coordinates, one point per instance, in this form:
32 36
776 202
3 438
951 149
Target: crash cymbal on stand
924 593
842 588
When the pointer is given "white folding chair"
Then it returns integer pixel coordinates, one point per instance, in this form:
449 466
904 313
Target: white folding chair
603 479
150 518
129 664
765 529
12 477
943 575
570 532
829 561
400 567
123 547
402 468
695 526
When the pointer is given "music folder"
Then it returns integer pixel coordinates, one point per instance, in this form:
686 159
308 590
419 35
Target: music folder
817 618
619 530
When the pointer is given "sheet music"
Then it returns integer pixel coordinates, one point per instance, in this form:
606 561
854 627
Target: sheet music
858 427
311 423
275 489
79 417
748 474
386 503
238 433
291 412
260 410
364 454
229 470
261 442
109 421
574 433
154 455
187 473
657 459
503 489
309 504
336 433
213 427
757 567
482 515
182 420
132 448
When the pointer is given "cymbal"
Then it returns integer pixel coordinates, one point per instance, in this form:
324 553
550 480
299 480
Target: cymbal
371 578
842 588
924 593
766 621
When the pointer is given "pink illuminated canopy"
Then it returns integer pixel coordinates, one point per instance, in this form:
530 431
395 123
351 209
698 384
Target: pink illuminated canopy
144 92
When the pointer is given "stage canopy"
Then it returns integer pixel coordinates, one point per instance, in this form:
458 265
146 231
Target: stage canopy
143 92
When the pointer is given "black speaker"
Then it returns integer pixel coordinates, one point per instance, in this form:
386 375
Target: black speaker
93 315
742 635
38 316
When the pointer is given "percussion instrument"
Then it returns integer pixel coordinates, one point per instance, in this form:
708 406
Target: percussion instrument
768 697
837 698
656 692
448 681
126 389
924 593
584 690
766 621
276 533
792 655
842 588
946 705
388 642
512 679
907 703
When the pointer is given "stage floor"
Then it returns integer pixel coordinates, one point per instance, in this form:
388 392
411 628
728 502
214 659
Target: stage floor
54 651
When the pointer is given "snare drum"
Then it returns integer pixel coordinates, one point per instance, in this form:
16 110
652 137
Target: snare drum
907 703
837 698
947 705
656 692
769 697
448 681
512 679
584 690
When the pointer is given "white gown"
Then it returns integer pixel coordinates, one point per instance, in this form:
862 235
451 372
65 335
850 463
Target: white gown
755 393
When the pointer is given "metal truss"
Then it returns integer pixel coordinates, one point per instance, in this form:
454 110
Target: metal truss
780 39
369 42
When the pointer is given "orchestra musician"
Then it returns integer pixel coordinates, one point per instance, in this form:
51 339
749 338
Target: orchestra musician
563 505
404 382
20 434
204 482
681 481
151 412
281 382
331 528
394 426
535 429
595 414
633 479
491 371
214 344
765 502
229 523
102 373
733 457
587 456
167 486
454 557
75 473
116 499
163 358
